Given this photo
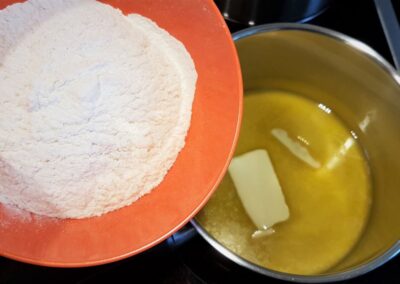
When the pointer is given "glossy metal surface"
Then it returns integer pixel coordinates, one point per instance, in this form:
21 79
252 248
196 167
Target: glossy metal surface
256 12
364 91
391 27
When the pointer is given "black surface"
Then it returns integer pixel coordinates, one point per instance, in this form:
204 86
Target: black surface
196 262
193 263
356 18
260 12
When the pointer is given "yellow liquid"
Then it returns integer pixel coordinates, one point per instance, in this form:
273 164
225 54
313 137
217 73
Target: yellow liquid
328 206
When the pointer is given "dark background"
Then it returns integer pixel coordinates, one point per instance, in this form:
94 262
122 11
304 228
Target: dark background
195 261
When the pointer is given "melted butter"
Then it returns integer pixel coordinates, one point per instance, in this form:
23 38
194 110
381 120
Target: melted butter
329 201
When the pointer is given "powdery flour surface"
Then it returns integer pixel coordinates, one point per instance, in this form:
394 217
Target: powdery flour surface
94 106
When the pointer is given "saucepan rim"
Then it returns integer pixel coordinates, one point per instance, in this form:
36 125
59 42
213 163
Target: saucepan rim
339 276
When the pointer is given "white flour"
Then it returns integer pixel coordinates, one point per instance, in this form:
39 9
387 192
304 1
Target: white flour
94 106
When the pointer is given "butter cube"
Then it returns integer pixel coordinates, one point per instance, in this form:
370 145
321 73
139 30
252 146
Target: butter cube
258 188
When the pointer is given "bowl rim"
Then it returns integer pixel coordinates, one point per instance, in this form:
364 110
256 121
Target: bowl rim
100 259
370 265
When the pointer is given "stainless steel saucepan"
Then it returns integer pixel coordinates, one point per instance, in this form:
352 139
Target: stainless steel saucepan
365 91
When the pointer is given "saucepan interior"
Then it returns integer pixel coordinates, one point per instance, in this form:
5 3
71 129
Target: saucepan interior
364 92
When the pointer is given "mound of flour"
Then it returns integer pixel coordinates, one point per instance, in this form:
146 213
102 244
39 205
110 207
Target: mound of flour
94 106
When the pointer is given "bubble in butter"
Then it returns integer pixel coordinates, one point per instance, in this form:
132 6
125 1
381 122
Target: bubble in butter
259 190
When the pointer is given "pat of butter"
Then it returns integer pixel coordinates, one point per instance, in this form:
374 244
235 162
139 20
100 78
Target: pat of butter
295 148
259 189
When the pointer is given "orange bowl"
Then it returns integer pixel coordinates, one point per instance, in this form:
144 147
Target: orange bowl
194 176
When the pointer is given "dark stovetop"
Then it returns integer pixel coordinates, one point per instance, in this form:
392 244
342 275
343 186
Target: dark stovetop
195 261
